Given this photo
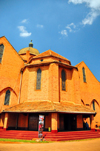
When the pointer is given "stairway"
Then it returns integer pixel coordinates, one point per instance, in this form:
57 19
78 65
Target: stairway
76 135
60 136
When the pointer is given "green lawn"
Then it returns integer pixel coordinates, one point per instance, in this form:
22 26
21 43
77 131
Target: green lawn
19 140
34 141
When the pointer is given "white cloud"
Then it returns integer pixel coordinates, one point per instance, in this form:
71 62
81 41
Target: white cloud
90 18
23 31
94 6
39 26
70 27
64 32
24 21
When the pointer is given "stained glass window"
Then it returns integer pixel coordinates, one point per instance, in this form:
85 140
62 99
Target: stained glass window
63 76
84 76
38 82
1 52
7 97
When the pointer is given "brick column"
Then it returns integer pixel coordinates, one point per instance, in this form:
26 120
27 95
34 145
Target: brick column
5 121
54 82
54 123
76 85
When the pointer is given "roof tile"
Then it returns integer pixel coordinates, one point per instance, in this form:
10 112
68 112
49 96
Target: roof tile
47 106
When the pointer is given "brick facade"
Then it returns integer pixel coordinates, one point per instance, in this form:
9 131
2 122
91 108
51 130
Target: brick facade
18 73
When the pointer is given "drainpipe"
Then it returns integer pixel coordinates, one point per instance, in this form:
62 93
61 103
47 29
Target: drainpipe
20 87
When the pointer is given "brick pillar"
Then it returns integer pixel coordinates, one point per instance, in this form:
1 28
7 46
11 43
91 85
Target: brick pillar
76 85
1 121
5 121
92 122
54 82
54 123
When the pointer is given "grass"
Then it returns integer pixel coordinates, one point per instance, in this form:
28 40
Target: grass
34 141
19 140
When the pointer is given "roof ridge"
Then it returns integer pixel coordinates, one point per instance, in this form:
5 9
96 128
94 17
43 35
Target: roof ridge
49 53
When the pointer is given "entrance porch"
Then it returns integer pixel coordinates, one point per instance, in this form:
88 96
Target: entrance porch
62 116
52 121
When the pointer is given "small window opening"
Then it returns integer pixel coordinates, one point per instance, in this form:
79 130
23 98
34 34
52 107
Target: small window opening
38 82
84 75
1 52
94 105
7 97
63 76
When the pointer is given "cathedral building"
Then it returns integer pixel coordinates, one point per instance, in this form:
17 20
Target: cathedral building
34 84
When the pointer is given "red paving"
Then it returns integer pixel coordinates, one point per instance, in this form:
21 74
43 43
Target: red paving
60 136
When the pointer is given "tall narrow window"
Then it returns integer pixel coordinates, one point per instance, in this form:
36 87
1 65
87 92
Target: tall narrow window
63 76
93 105
38 82
1 52
7 97
84 76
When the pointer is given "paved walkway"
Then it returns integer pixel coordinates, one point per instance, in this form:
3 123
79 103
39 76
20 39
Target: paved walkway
84 145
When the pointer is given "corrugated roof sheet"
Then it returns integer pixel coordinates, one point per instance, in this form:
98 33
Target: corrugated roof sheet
47 106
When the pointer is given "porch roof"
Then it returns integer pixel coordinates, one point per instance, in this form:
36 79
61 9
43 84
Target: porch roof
48 106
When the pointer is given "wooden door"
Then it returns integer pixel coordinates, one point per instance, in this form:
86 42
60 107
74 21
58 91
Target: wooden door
33 122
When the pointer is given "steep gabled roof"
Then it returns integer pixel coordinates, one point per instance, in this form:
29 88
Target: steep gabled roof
82 62
11 46
49 53
78 64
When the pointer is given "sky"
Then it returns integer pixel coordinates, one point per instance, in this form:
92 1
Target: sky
70 28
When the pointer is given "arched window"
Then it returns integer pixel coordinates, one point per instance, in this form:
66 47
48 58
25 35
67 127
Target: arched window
7 97
38 82
84 75
1 51
93 103
63 76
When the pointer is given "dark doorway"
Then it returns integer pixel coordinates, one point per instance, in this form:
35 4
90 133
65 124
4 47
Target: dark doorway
33 122
69 122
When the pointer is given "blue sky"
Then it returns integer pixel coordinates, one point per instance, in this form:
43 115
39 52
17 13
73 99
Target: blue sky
68 27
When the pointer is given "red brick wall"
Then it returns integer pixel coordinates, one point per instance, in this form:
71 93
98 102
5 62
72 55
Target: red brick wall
72 93
29 92
54 82
9 72
90 90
